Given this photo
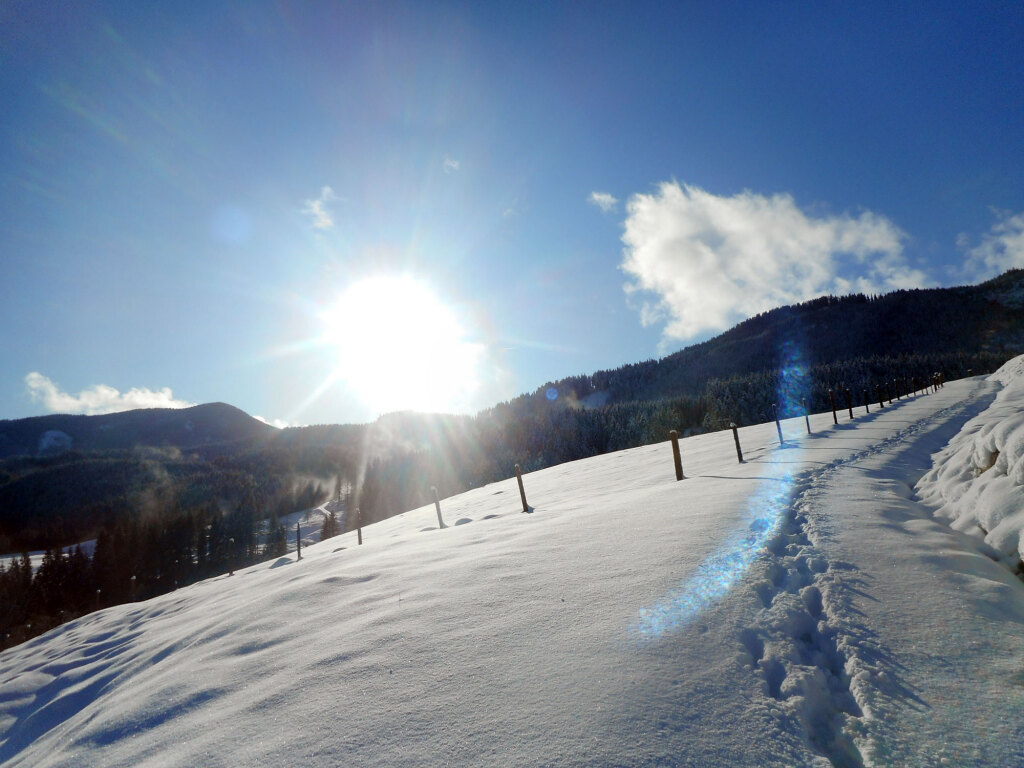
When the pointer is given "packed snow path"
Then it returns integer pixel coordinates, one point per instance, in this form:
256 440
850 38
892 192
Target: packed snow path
798 609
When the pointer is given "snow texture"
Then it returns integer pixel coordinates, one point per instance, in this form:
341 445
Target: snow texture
977 480
803 608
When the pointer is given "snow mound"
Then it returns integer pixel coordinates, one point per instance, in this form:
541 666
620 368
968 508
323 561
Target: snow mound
977 481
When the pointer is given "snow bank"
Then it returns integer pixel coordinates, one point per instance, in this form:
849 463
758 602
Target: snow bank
977 481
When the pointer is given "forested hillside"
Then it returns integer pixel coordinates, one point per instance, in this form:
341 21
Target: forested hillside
986 318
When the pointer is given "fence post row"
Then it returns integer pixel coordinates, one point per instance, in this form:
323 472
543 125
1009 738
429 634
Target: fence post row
677 459
912 381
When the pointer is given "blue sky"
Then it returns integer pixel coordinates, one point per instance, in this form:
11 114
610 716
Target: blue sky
510 193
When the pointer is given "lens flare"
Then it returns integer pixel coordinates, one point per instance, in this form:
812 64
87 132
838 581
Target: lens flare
765 512
722 570
793 386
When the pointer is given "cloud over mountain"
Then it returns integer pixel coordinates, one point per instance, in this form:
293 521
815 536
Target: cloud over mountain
99 398
1000 249
699 262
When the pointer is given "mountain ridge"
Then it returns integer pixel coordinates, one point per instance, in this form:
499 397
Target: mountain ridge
182 428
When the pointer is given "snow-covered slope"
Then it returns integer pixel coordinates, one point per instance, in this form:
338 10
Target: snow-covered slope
800 608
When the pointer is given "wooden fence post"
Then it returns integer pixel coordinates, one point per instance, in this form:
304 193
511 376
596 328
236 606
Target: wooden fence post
867 408
437 507
298 541
778 426
677 459
359 526
522 491
896 388
878 391
736 438
807 416
832 400
849 402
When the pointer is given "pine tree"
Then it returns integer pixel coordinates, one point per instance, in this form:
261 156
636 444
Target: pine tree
277 541
330 527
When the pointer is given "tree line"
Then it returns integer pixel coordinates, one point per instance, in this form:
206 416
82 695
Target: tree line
134 560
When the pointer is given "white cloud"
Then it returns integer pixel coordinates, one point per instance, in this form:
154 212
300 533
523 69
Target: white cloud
1000 249
98 399
450 164
603 200
701 263
513 209
317 209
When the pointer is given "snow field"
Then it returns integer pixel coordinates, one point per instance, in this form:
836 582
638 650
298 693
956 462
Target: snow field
798 609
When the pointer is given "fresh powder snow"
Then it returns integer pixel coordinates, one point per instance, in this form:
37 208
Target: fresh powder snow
811 606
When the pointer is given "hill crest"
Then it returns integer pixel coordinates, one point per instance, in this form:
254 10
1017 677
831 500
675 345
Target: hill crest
182 428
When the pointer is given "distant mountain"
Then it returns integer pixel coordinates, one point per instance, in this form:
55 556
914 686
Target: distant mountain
182 428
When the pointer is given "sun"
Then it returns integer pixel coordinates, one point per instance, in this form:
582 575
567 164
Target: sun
399 347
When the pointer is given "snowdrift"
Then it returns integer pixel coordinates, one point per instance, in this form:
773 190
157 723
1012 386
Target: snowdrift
977 482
